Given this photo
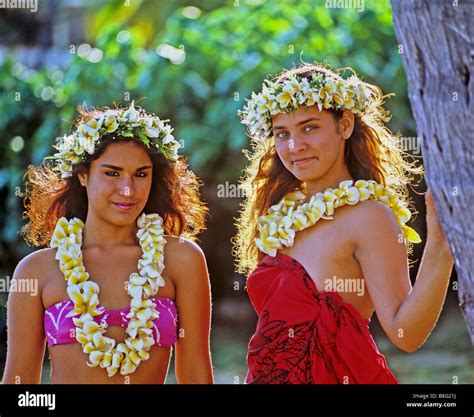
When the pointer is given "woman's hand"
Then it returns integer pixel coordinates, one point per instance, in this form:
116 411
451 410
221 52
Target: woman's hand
435 232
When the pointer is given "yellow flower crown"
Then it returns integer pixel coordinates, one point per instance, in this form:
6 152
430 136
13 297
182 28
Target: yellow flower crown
131 122
324 91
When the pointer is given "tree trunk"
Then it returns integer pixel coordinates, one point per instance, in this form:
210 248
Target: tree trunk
436 48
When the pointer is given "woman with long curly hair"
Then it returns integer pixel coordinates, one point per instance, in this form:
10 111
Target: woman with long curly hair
323 233
116 194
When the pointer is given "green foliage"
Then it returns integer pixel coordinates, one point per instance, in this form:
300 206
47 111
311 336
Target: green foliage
228 51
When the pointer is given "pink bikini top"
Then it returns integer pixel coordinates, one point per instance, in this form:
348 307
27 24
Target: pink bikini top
59 329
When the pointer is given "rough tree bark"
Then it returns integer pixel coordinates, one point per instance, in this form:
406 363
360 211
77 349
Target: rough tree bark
436 48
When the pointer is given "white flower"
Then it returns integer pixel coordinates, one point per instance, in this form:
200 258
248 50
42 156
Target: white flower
271 103
287 96
260 104
326 93
110 121
130 116
169 139
352 195
87 137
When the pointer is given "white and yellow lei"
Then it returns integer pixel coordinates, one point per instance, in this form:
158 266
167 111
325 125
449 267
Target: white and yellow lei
142 286
278 227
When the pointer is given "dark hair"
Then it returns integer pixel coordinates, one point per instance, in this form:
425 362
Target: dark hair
174 193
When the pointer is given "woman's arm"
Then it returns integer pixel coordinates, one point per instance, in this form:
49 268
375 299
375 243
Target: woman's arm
408 315
26 339
193 301
419 313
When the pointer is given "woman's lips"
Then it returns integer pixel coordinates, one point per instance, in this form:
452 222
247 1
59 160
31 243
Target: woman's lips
124 206
303 160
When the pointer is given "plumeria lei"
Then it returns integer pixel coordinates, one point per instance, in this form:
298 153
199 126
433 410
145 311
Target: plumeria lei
142 286
324 91
290 215
150 129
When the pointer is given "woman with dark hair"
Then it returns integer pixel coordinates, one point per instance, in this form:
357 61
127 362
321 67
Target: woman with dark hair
118 192
323 232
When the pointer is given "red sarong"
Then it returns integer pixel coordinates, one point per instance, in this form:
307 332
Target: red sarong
306 337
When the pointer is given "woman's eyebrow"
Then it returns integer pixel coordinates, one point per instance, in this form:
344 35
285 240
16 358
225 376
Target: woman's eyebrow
117 168
145 167
112 167
311 119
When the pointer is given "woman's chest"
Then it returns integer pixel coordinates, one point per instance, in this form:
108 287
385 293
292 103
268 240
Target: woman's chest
110 272
326 251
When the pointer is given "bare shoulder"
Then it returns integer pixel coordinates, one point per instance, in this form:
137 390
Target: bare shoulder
35 263
374 214
183 256
373 222
183 248
33 272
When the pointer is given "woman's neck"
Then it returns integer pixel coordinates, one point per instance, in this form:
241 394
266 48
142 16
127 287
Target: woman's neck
331 180
102 234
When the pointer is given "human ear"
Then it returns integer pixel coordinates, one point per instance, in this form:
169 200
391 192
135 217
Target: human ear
346 124
82 178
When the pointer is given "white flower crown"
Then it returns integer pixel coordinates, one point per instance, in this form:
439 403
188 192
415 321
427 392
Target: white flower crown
131 122
324 91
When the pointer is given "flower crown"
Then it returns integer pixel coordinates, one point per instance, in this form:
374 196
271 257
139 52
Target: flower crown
322 90
131 122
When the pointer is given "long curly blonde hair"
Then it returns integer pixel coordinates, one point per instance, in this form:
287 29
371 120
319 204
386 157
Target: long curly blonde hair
373 152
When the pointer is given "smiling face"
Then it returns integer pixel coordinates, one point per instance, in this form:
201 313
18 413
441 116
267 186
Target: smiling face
118 183
310 143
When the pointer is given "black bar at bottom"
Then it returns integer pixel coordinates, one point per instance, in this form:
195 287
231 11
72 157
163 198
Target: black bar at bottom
236 400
